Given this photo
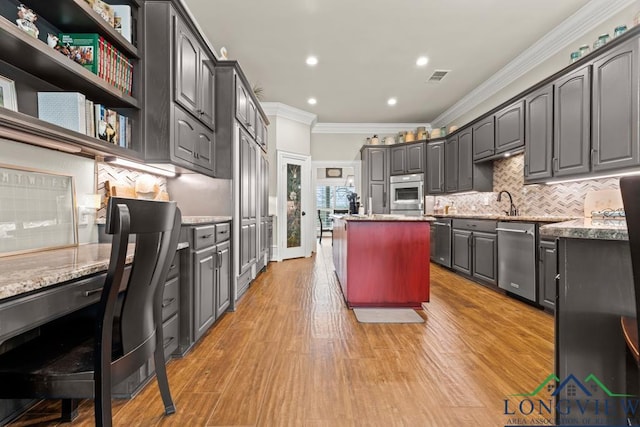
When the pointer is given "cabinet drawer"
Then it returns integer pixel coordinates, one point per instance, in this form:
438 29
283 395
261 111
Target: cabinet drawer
475 225
170 331
222 232
170 301
174 268
204 236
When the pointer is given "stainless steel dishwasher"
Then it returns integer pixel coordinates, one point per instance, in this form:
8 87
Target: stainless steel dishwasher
517 259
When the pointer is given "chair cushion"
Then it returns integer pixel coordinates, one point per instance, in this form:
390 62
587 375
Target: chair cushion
630 331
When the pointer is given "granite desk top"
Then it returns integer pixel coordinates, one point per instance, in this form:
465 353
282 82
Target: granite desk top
188 220
497 217
384 217
37 270
587 228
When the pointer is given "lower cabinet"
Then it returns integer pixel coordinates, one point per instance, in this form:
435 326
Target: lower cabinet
207 293
475 249
547 273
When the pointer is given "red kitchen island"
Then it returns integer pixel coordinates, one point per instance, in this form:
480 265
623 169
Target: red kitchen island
382 260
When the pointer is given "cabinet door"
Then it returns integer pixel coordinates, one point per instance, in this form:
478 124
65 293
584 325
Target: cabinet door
245 248
187 69
205 149
483 138
465 160
485 250
251 117
253 242
547 272
185 136
510 127
461 251
538 127
223 279
398 159
451 164
241 102
265 135
415 158
435 167
572 118
259 129
204 287
615 108
376 178
207 91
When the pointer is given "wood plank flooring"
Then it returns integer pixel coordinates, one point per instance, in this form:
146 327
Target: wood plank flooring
294 355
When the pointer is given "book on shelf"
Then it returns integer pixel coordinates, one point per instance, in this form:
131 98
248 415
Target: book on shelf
122 20
65 109
98 56
103 9
112 127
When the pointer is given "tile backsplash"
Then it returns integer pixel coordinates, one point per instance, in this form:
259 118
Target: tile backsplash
566 199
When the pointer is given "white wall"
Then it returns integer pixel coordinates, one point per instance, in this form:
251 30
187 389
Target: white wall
548 67
80 168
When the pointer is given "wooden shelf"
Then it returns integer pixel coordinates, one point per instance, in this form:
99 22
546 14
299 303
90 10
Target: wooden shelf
35 57
25 128
76 16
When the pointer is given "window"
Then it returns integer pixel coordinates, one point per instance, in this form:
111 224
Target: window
331 199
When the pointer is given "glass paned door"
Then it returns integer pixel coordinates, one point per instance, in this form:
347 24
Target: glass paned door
295 222
294 205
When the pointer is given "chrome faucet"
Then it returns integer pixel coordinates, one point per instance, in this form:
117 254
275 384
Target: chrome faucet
513 211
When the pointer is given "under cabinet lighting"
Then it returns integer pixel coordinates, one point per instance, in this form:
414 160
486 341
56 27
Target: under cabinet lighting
590 178
40 141
139 166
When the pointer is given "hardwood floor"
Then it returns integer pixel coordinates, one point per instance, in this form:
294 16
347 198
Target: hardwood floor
293 354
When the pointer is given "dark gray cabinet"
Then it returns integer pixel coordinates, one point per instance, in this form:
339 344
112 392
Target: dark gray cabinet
538 152
465 160
509 127
475 249
245 108
435 167
485 256
248 196
375 178
547 273
407 158
483 138
204 291
193 142
451 164
223 278
194 75
461 259
615 109
441 242
572 123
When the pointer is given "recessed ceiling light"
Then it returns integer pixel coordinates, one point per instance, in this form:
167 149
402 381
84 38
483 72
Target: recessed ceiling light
422 61
392 101
312 101
312 60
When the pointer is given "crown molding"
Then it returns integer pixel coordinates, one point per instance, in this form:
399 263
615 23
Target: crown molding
585 19
278 109
365 128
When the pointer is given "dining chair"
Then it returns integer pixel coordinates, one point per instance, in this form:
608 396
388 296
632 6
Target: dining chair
82 360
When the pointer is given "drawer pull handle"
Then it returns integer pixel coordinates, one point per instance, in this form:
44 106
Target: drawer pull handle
167 302
167 342
206 236
92 291
172 267
223 232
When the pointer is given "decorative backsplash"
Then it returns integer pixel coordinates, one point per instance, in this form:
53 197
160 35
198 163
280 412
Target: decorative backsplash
124 177
566 199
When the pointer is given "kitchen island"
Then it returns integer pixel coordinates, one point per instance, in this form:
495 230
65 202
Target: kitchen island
382 260
595 288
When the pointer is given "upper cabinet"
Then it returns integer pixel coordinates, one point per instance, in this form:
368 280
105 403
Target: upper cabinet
483 138
465 165
435 167
246 111
451 164
407 158
538 134
572 123
615 108
509 124
375 178
179 123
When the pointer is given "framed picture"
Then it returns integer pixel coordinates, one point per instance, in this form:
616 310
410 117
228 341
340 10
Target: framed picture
333 173
8 94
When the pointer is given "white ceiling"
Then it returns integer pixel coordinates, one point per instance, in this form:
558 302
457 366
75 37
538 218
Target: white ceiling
367 49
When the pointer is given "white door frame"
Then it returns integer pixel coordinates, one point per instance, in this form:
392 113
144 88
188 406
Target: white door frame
307 225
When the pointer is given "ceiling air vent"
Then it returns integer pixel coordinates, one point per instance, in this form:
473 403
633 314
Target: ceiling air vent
438 75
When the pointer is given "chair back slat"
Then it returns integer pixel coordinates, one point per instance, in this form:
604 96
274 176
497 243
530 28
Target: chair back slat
630 189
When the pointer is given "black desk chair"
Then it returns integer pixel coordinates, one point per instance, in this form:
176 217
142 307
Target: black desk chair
630 189
86 359
322 230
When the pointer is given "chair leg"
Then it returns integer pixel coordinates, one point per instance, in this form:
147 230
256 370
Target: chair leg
163 380
69 410
102 407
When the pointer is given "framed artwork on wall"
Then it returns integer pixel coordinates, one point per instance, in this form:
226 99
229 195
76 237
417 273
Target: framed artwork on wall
333 173
8 94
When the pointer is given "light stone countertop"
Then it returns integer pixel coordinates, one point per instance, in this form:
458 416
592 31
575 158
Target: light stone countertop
587 228
190 220
497 217
384 217
30 272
